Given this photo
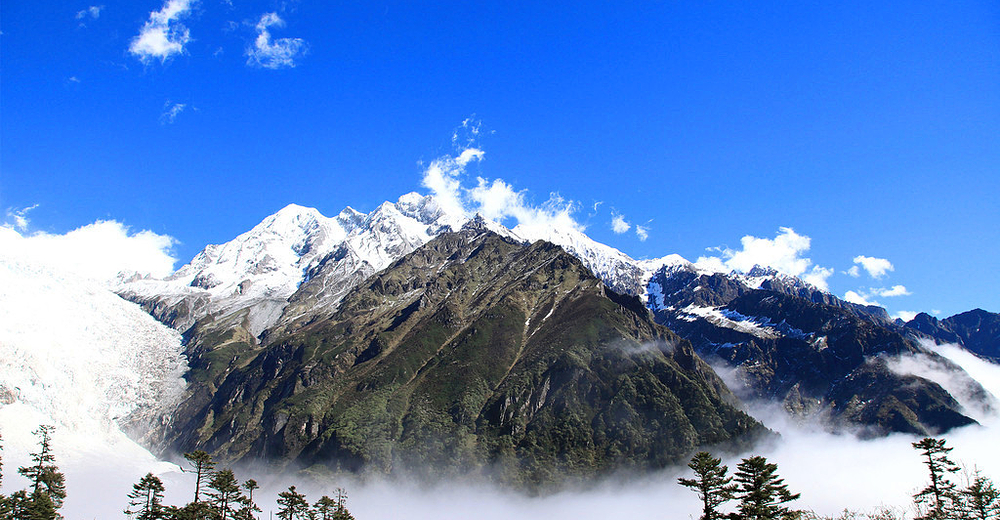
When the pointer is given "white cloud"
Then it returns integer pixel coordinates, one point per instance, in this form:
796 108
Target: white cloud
854 271
642 232
442 178
896 290
98 251
905 315
783 253
276 54
817 276
93 12
876 267
163 36
498 201
170 112
618 224
863 297
467 133
859 298
19 218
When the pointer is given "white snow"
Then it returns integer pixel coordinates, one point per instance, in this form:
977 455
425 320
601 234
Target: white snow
263 267
76 356
730 320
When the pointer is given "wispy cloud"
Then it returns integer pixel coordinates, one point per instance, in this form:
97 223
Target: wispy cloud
876 267
783 253
274 54
867 297
18 218
642 232
93 12
163 36
905 315
618 223
170 112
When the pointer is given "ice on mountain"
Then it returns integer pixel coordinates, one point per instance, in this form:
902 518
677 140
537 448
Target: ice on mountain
75 355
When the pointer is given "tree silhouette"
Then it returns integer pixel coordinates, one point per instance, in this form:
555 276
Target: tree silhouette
980 499
710 482
341 512
761 493
203 465
248 506
940 494
325 508
47 482
146 499
292 505
226 494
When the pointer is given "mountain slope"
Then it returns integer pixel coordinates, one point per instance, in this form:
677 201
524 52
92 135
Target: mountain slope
976 330
807 350
474 353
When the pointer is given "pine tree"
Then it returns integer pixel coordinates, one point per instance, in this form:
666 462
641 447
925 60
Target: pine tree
146 499
226 494
203 465
711 484
325 508
192 511
341 512
981 499
248 508
47 482
761 493
293 505
940 495
15 506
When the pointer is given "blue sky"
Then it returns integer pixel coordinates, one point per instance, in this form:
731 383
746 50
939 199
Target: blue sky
872 129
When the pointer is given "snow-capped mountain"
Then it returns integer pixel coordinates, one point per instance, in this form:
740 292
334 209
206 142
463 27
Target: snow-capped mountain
298 263
257 272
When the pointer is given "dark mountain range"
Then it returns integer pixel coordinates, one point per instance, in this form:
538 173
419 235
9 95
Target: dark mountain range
808 350
976 330
473 354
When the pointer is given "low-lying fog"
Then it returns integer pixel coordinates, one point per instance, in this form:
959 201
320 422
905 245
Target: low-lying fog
832 472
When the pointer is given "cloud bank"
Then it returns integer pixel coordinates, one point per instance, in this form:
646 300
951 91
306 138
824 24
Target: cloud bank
163 36
98 251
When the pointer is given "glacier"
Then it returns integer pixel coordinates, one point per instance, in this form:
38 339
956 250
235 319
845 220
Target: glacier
76 356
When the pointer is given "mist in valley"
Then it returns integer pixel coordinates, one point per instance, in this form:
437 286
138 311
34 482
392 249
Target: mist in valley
831 471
